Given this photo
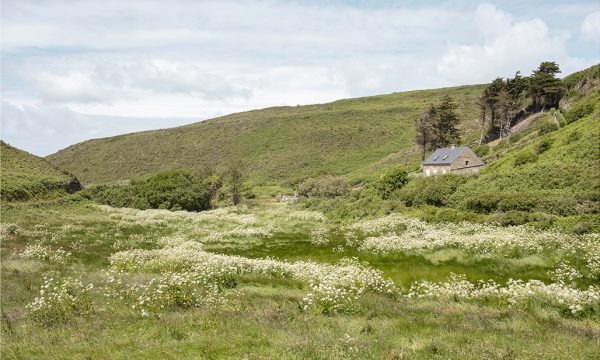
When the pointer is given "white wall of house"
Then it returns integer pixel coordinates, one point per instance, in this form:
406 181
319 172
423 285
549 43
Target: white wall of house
435 169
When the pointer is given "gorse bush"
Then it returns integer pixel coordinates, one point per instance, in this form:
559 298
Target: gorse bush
434 190
482 150
578 111
548 127
524 157
542 146
326 186
391 182
173 190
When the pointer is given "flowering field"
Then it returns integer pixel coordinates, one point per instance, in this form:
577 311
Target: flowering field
269 280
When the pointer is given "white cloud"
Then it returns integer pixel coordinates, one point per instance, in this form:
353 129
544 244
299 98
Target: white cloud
590 28
511 46
70 87
47 128
130 60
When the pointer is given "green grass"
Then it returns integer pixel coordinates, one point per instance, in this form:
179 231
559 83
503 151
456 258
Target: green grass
277 145
26 176
265 320
559 172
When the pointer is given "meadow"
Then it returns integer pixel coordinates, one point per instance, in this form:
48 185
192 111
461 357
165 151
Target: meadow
272 280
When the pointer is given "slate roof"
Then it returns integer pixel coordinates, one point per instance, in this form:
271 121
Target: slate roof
444 156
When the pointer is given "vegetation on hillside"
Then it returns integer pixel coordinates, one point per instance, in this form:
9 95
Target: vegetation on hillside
281 145
126 283
173 190
543 175
510 256
437 127
25 176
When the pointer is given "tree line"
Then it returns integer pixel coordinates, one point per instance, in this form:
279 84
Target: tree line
503 102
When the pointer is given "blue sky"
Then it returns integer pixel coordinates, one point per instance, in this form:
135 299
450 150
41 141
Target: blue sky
72 71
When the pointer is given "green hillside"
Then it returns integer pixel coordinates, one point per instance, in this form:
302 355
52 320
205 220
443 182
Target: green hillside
558 172
281 144
24 176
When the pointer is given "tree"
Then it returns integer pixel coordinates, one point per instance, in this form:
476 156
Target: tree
483 107
502 100
446 123
236 180
424 128
545 88
505 106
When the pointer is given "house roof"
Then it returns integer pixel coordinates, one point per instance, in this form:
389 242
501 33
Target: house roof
444 156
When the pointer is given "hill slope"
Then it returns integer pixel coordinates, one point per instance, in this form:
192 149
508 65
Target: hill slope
275 144
558 172
25 176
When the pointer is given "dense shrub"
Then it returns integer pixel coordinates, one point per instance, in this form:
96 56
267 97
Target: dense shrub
514 138
482 150
502 145
173 190
434 190
326 186
542 146
392 181
512 218
524 157
517 201
578 111
482 203
548 127
582 227
572 137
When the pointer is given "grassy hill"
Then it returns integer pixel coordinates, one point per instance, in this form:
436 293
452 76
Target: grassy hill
280 144
558 172
25 176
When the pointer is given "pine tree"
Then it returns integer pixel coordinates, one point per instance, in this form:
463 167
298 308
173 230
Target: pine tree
545 88
424 128
446 123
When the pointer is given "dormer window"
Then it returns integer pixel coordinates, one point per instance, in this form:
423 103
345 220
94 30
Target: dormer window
435 158
445 157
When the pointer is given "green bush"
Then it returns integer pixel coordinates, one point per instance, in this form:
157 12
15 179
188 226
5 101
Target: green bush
483 203
504 144
326 186
392 181
578 111
173 190
572 137
542 146
582 227
434 190
524 157
512 218
517 202
514 138
482 150
547 127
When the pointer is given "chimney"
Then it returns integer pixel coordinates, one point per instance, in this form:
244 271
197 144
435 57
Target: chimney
452 147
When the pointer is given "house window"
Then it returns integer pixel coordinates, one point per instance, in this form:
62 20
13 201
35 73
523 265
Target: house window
466 162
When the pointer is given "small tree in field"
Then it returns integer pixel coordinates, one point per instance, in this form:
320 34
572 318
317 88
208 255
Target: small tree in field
236 180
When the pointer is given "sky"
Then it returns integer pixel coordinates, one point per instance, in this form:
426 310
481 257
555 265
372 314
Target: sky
77 70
